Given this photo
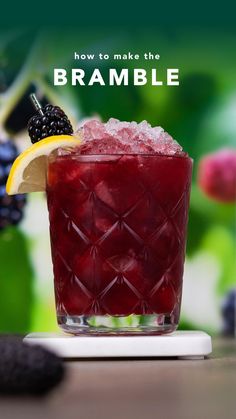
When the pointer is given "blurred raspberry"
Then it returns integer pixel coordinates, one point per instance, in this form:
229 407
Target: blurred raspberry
217 175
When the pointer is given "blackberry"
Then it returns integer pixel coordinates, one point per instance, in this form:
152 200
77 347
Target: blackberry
11 207
50 120
26 369
229 313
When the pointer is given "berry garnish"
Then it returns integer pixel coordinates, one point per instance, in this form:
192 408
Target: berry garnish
49 120
11 207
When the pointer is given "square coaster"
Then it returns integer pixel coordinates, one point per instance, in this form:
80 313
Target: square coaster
181 344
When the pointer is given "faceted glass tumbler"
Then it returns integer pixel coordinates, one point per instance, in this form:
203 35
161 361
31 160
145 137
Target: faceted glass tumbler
118 234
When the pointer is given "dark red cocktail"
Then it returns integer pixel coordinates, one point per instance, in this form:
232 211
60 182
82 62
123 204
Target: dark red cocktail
118 233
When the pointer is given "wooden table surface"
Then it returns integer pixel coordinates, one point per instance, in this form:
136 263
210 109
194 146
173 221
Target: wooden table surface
133 389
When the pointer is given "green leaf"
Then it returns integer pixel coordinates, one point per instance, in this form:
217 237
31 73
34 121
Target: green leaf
220 242
212 211
203 214
44 316
197 227
16 282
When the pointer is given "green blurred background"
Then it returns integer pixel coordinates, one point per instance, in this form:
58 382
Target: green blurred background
200 113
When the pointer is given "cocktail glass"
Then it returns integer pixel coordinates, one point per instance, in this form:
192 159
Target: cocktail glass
118 235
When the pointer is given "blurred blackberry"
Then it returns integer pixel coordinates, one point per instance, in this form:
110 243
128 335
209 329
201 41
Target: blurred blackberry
18 119
52 121
229 313
26 369
11 207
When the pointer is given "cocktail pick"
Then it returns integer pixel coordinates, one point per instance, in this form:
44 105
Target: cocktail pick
36 103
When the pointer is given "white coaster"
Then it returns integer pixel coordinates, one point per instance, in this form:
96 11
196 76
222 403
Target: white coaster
182 344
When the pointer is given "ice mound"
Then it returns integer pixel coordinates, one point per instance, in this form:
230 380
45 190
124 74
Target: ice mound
116 137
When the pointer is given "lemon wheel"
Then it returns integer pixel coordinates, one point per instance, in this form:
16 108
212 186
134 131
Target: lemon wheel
28 172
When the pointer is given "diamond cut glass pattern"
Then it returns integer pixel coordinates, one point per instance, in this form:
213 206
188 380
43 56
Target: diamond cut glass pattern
118 229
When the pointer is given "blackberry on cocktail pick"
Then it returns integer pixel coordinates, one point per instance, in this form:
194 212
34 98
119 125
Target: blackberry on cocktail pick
11 207
49 120
26 369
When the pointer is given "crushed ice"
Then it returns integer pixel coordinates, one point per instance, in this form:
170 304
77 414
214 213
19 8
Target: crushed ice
116 137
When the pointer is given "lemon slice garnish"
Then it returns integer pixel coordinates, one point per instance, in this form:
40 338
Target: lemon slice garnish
28 172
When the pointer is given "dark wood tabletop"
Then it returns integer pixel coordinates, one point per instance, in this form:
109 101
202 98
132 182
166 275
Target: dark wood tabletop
139 389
